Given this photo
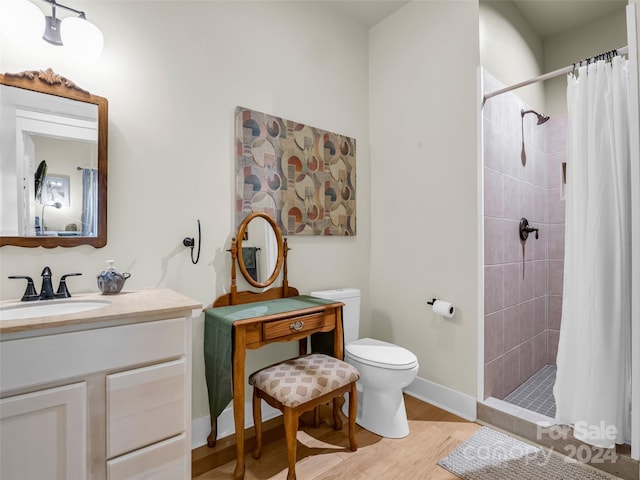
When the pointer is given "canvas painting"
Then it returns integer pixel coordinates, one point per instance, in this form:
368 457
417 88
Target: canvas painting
301 176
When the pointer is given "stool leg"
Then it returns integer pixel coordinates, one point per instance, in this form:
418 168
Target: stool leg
337 420
353 409
257 423
290 433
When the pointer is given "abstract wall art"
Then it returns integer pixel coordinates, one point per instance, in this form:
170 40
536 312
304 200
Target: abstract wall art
301 176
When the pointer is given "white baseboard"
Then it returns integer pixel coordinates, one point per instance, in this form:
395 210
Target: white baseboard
443 397
201 427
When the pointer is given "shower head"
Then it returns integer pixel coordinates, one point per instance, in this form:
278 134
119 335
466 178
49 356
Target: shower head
541 118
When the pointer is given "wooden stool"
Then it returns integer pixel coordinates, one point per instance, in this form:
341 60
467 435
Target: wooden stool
301 384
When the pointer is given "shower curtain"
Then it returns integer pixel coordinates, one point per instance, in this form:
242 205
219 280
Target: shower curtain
593 386
89 217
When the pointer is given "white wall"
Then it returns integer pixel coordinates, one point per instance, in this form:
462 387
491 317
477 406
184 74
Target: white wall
584 41
173 73
511 50
423 109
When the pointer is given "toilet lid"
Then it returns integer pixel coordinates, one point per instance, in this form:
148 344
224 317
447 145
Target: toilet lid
381 354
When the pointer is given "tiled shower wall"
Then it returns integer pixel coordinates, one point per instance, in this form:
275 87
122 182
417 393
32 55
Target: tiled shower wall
522 299
556 150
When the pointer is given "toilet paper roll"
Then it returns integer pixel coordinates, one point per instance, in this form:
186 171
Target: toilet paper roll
443 308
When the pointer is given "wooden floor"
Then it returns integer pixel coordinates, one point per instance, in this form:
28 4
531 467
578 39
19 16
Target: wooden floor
323 453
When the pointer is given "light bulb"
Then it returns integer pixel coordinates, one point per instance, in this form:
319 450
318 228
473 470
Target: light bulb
21 20
82 37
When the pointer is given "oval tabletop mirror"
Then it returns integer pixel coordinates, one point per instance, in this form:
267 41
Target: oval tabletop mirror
53 162
260 250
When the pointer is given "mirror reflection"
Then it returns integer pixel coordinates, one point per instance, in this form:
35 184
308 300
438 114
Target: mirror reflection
52 162
54 165
260 250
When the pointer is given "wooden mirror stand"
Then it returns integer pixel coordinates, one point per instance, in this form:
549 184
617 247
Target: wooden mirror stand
238 298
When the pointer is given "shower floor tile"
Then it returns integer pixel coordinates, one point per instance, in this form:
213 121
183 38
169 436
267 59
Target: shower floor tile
536 393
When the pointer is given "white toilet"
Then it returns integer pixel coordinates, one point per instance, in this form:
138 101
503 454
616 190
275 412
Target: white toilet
385 369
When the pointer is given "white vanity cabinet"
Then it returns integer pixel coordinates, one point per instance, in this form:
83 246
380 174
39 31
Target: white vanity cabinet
109 402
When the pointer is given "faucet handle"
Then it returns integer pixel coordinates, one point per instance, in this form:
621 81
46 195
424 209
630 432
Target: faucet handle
63 291
525 229
30 293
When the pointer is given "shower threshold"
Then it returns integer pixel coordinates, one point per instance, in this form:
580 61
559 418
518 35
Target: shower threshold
519 412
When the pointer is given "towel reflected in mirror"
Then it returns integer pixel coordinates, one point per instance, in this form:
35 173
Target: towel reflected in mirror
249 257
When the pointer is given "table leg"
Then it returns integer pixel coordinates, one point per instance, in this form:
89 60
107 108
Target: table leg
211 439
338 345
239 354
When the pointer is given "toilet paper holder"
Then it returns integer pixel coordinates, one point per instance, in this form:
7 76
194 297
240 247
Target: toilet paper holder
443 308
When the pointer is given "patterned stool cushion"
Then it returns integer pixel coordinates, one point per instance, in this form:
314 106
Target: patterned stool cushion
298 380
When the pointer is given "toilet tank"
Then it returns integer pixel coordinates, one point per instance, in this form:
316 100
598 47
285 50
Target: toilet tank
350 312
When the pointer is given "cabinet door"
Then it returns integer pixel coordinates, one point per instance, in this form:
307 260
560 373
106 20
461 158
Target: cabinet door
144 406
43 434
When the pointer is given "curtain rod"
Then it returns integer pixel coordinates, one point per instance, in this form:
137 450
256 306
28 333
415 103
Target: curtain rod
556 73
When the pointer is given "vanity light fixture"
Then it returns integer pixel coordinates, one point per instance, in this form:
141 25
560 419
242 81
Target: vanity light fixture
21 19
77 33
74 32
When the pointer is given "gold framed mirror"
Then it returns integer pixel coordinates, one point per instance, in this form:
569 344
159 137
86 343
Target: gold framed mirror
47 115
260 250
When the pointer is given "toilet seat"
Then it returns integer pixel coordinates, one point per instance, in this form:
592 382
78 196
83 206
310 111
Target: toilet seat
377 353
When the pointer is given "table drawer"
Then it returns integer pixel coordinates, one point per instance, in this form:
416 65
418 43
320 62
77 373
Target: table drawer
294 325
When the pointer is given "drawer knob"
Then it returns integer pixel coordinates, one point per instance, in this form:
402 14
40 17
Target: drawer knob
297 325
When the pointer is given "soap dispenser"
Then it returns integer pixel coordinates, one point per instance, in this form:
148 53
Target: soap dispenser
110 281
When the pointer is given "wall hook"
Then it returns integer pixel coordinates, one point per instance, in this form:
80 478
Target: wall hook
190 242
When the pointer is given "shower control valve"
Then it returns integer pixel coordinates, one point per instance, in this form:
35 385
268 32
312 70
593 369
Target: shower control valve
525 229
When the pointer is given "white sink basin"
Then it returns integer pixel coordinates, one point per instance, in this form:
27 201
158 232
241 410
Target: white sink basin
47 308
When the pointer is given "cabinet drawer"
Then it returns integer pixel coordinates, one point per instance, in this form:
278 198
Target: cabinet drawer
51 358
145 406
306 323
163 461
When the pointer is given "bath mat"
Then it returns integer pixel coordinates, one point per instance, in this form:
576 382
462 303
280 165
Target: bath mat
492 455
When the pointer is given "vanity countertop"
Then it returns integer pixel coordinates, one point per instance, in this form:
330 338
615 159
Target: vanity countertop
131 306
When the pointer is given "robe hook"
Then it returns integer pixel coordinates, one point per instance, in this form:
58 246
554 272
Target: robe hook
190 242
